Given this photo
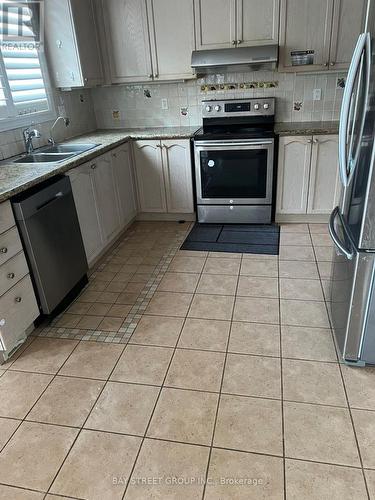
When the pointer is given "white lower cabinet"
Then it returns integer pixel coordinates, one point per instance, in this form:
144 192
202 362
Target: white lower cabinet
324 185
164 176
308 181
104 195
18 305
150 177
82 181
124 180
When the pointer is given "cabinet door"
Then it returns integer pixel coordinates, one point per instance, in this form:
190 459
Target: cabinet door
105 193
150 178
61 44
87 40
81 179
293 175
261 28
324 188
123 172
348 23
305 25
178 176
171 60
215 23
128 46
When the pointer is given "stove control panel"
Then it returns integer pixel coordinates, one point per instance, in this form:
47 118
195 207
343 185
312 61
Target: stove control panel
238 107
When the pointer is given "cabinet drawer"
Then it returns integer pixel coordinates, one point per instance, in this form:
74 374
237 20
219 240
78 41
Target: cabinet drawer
6 217
10 244
12 271
19 310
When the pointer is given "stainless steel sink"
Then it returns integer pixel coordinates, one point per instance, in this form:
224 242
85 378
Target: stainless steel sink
55 153
44 158
68 148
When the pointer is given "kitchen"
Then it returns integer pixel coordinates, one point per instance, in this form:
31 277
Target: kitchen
170 326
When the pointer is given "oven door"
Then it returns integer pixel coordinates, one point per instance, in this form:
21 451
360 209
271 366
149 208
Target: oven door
234 172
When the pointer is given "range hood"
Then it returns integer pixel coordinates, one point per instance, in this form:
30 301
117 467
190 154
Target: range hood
239 59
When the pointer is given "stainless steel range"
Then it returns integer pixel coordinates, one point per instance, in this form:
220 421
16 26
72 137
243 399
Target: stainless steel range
234 161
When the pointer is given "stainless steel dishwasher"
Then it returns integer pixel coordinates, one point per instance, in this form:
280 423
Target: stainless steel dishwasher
47 219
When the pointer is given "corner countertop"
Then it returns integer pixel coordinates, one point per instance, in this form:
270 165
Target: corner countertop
15 178
307 128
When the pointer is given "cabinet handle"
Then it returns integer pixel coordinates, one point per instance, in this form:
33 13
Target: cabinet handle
156 75
309 141
11 276
239 42
18 299
325 64
316 141
3 250
150 75
332 63
159 146
93 166
114 155
233 42
2 322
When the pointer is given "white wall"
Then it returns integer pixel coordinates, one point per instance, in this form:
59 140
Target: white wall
136 110
82 119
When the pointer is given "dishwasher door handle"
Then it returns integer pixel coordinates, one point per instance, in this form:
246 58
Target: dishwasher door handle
57 196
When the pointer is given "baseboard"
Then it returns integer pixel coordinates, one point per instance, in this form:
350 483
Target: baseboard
312 218
147 216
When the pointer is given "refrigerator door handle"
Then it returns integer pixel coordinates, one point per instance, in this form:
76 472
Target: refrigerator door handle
345 108
331 227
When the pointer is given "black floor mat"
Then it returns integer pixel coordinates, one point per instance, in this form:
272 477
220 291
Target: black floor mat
238 238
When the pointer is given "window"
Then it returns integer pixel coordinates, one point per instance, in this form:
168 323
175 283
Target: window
24 92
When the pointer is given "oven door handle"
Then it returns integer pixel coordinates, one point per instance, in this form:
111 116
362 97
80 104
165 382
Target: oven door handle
232 143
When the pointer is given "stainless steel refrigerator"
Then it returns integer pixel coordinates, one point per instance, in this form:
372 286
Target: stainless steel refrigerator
352 224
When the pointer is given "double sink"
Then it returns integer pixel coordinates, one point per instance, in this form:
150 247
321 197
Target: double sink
55 153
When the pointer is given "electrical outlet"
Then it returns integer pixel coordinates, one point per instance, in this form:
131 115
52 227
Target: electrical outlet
164 104
116 115
317 94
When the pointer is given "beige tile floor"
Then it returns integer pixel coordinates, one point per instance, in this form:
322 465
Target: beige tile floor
196 375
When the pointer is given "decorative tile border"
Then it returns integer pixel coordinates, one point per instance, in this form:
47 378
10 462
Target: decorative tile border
239 86
123 335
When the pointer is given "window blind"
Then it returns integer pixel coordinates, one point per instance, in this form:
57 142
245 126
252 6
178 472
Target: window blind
22 90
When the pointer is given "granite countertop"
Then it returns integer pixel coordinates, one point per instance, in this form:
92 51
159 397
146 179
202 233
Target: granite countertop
307 128
15 178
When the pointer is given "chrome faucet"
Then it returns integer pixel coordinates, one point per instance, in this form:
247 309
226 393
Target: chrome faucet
28 136
66 120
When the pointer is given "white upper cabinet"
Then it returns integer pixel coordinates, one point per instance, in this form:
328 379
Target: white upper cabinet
147 40
234 23
127 40
324 186
215 24
150 177
329 28
257 22
72 43
305 25
348 23
172 38
178 176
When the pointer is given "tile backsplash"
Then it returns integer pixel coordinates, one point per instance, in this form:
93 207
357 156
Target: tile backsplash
176 104
78 106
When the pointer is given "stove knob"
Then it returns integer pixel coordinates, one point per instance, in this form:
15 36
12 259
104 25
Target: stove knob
256 106
217 108
266 105
208 108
